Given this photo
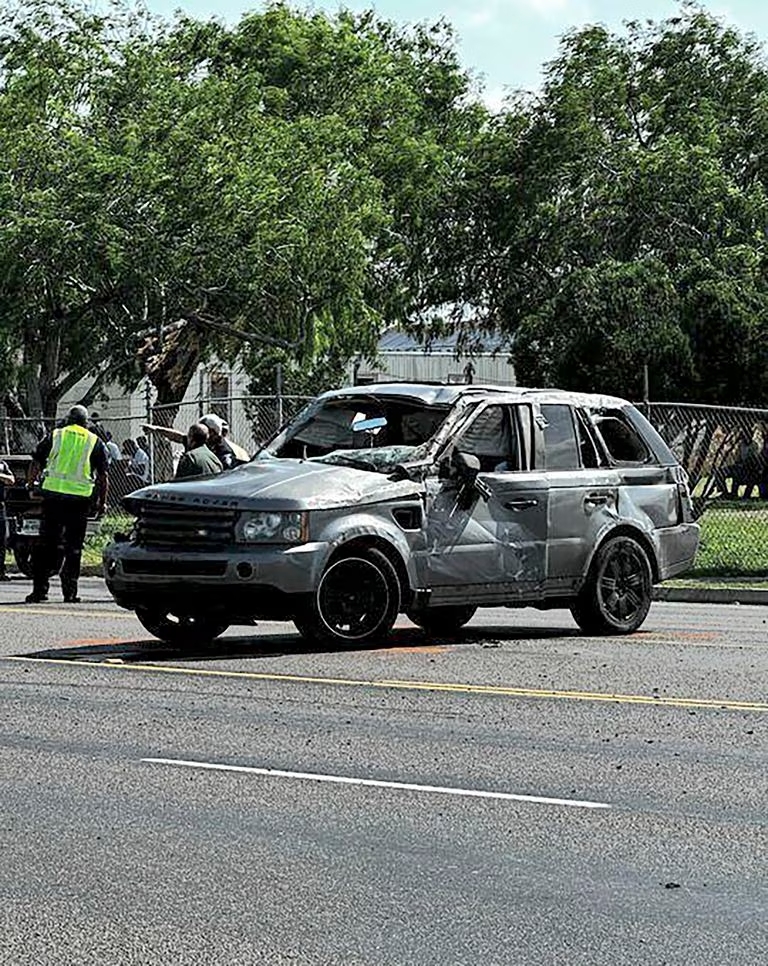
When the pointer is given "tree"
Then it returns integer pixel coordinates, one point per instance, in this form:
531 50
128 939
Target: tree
175 190
603 321
64 222
329 149
639 171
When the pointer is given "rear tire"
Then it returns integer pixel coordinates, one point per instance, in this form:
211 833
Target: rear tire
442 621
356 602
617 595
180 629
22 554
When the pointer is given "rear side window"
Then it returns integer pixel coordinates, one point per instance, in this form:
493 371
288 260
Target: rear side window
561 448
621 440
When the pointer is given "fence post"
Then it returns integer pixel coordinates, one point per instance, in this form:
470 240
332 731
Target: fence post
148 414
646 392
279 389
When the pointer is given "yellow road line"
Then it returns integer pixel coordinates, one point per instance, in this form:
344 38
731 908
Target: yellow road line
45 611
640 699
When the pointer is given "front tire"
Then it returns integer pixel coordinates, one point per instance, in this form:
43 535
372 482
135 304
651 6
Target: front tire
181 630
617 595
356 601
442 621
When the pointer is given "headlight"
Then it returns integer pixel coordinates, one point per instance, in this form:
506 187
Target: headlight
271 526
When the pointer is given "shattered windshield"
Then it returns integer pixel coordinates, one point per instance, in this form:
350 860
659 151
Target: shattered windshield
374 433
381 459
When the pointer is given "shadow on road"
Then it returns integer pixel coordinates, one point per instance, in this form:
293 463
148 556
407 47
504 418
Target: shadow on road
252 648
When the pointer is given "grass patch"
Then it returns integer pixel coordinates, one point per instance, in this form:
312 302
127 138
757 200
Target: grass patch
95 543
734 541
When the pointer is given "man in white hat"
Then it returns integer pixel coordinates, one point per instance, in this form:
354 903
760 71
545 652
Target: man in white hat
241 455
216 442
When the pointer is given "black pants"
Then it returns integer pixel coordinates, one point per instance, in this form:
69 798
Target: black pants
62 524
3 538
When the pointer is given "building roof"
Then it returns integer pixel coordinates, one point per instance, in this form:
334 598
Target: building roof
393 340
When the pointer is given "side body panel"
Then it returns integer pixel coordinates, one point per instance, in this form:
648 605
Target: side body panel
583 505
485 548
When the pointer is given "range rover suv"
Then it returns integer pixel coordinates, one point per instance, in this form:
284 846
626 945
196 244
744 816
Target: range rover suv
419 499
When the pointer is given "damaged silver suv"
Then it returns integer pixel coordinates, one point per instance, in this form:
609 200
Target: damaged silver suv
426 500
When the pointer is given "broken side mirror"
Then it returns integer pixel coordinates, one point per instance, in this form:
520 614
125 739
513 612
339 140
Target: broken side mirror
459 466
466 466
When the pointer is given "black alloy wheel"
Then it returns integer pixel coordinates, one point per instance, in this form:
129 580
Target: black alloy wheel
181 630
356 602
617 595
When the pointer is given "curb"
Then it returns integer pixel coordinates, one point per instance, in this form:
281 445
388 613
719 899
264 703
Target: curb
711 595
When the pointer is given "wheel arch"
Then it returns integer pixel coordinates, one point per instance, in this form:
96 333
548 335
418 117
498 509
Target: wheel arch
627 530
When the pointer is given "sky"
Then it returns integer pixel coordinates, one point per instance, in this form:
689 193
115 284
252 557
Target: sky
504 43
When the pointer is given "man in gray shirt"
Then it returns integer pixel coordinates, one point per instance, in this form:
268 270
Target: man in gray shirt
198 459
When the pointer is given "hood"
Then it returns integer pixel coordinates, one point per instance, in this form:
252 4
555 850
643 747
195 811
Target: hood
284 484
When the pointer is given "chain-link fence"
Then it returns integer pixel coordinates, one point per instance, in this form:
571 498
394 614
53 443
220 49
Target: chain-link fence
725 452
140 453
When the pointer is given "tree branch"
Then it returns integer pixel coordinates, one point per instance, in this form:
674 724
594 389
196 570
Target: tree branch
252 338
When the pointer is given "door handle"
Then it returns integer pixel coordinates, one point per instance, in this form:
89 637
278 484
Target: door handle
520 504
597 499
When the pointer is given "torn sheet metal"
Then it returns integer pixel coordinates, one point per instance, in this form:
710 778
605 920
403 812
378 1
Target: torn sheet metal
489 542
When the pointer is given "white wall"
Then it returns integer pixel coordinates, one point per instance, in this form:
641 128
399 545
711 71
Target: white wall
437 367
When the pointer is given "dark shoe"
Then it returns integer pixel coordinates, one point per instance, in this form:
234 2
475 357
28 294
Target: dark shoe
4 578
35 598
71 599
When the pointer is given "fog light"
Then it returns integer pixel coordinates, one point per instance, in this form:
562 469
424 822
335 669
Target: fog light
111 568
244 570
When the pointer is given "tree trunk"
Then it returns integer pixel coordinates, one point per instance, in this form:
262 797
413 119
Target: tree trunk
171 361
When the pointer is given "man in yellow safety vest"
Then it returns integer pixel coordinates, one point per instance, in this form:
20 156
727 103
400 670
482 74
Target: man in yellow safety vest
74 463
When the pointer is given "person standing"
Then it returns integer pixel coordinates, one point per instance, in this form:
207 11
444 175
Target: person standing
72 462
138 462
241 455
216 442
6 479
198 460
113 450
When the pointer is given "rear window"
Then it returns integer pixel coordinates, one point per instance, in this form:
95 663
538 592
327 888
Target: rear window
621 440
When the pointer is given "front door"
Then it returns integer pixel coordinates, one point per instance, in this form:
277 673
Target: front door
487 541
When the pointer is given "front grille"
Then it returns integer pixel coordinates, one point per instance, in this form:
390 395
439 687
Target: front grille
175 526
176 568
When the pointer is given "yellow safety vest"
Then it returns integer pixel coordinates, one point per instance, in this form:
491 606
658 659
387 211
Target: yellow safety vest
68 468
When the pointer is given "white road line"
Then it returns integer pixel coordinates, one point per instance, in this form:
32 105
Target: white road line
373 783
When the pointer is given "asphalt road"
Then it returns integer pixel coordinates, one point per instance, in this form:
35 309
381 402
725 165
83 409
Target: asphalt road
523 795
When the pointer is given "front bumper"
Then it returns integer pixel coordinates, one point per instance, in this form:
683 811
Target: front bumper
240 582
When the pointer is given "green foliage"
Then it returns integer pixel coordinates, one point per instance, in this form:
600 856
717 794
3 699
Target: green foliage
171 190
625 214
277 190
599 323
